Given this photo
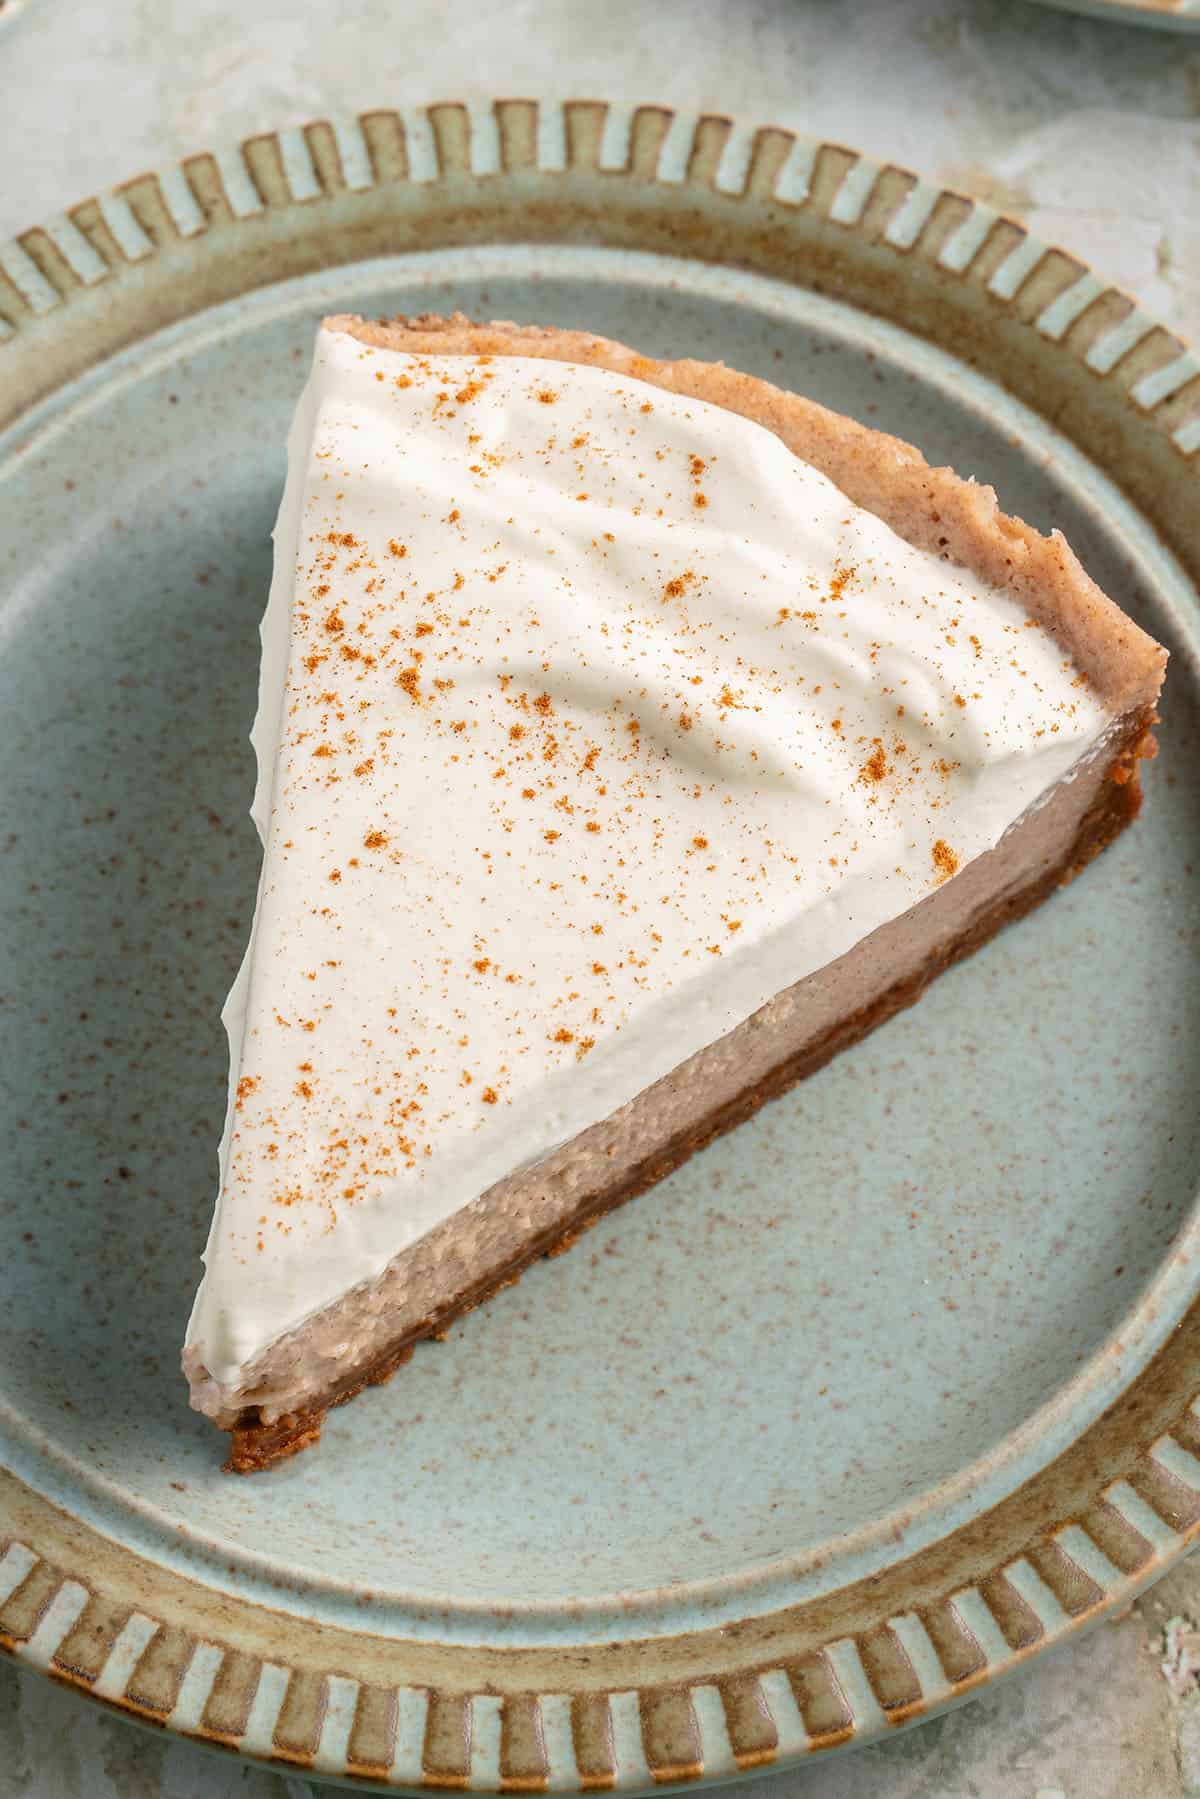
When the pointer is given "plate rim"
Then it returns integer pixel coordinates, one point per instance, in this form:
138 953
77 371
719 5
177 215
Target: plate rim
1130 12
1082 1536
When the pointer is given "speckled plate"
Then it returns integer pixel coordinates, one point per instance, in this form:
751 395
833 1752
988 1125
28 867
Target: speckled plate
881 1394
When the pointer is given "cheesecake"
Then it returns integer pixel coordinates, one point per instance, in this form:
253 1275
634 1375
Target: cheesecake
632 737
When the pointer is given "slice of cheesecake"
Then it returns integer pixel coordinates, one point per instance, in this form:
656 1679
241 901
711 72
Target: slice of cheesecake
632 736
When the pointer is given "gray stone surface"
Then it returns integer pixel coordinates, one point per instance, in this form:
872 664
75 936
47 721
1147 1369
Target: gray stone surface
1090 131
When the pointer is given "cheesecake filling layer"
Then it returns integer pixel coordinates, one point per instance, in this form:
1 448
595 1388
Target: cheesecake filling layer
590 719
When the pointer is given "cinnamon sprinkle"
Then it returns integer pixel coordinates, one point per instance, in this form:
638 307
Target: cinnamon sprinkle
944 860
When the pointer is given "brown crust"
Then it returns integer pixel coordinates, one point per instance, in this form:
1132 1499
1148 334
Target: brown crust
256 1446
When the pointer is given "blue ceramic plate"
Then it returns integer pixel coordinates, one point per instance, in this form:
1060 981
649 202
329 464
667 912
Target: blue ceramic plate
880 1393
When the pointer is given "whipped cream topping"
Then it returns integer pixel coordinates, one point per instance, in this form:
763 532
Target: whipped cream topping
590 718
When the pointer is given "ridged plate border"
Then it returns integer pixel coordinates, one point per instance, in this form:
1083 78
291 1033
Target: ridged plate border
1078 1540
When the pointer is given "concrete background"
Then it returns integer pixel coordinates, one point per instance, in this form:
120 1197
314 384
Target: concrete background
1090 131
